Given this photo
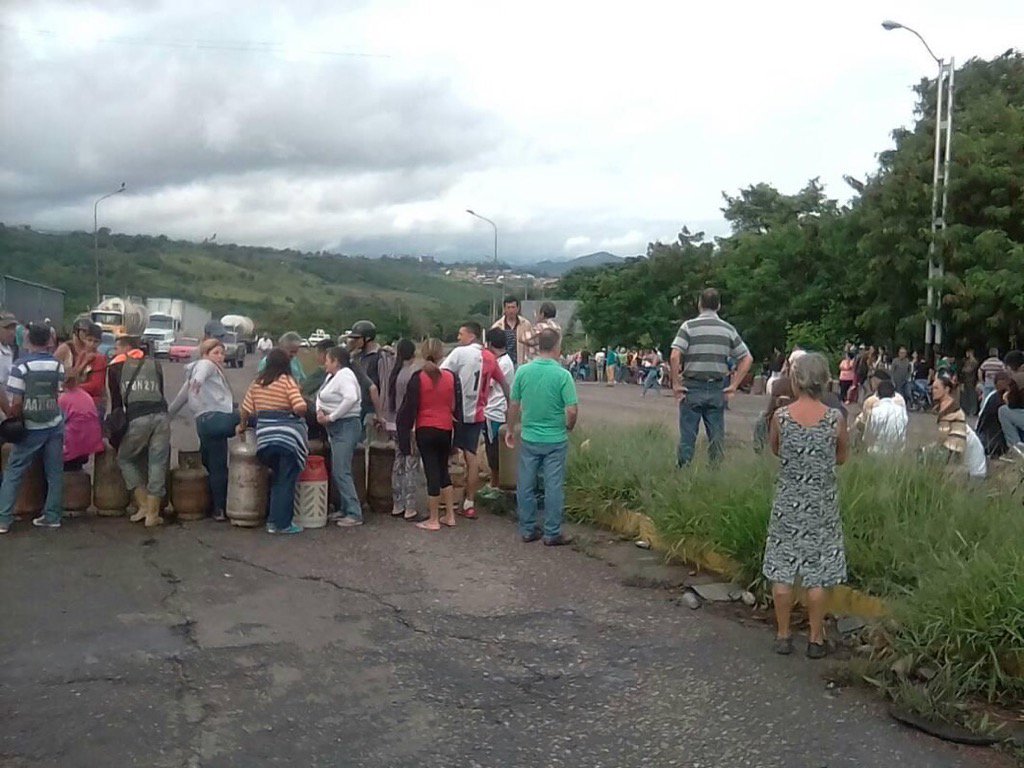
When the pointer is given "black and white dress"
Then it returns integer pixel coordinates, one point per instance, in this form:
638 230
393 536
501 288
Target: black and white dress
805 533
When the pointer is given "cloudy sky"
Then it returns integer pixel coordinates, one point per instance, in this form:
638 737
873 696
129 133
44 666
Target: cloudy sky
369 127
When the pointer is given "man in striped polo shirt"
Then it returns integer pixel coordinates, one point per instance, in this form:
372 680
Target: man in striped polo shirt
700 372
33 386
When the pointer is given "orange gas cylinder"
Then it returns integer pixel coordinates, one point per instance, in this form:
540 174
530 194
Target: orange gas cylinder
311 494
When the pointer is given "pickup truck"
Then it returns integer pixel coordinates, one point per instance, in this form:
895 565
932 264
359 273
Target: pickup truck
234 351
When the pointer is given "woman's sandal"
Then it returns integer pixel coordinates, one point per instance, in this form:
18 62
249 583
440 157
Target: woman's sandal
817 650
784 645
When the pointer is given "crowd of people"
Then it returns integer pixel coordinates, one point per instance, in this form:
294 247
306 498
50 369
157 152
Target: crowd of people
507 385
511 385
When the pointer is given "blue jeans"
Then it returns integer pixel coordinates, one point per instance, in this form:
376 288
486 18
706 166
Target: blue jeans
344 435
548 460
285 471
705 402
1012 422
49 442
214 429
650 380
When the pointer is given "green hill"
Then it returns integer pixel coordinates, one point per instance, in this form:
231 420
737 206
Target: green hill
280 289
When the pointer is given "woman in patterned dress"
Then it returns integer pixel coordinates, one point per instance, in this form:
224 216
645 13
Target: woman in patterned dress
805 534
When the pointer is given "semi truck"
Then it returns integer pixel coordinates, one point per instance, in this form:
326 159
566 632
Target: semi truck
31 302
182 317
243 327
121 316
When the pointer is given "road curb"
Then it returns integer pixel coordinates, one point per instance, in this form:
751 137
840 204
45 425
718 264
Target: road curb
842 600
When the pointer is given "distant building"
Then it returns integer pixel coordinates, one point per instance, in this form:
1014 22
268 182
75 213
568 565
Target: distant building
565 314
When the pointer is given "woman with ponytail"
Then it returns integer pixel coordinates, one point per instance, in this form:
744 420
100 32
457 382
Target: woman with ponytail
430 407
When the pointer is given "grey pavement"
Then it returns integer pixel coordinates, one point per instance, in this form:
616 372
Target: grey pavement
206 645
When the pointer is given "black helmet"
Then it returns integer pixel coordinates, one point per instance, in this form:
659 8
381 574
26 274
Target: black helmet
94 331
81 324
364 329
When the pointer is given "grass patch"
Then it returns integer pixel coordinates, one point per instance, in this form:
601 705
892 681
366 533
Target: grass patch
948 558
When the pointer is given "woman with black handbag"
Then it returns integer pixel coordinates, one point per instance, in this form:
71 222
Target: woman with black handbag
208 394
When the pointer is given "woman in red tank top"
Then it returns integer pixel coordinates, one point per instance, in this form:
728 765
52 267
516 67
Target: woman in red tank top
429 409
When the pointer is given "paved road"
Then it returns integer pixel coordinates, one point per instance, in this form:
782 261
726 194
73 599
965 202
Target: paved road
205 645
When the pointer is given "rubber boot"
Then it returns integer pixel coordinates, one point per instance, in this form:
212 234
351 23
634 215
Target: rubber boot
140 498
153 511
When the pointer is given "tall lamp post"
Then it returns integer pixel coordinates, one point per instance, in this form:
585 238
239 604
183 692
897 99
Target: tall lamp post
471 212
940 176
95 236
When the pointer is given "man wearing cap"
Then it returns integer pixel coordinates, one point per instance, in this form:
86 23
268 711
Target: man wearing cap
372 360
33 387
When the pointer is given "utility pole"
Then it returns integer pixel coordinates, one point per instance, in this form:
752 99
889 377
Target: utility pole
95 236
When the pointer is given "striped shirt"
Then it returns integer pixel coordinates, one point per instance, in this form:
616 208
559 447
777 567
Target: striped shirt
707 342
282 394
36 380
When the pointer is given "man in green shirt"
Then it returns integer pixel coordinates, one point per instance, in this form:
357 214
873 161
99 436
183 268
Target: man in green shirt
543 409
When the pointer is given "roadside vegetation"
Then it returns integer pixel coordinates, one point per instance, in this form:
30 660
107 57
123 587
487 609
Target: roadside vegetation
281 289
948 558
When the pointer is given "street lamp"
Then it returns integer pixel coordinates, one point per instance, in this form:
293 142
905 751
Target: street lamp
940 175
474 213
95 236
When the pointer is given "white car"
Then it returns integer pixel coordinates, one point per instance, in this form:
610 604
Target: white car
160 341
317 336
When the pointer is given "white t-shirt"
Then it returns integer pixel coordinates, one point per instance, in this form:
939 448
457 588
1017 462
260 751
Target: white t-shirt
974 456
887 427
264 345
599 357
476 368
497 406
340 396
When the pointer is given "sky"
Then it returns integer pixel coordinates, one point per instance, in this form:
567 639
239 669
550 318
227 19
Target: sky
370 127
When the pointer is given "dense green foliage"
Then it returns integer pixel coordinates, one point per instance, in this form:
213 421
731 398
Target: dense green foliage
803 267
280 289
947 557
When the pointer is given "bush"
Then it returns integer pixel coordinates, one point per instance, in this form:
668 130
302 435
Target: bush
948 557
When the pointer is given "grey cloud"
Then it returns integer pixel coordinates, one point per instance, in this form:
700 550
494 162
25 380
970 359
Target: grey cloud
158 116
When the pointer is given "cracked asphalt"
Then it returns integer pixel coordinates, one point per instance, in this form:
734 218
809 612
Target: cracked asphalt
206 645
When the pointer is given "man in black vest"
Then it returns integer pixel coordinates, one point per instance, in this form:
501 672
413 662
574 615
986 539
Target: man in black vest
136 384
33 387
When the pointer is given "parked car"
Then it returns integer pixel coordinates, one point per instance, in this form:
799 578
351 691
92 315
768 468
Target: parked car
234 350
160 342
317 336
183 350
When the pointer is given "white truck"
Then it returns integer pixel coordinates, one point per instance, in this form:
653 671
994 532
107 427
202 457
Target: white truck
182 317
243 327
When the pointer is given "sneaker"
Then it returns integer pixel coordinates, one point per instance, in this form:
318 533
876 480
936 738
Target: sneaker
561 540
293 528
334 517
349 522
42 522
468 512
4 529
219 515
816 650
531 537
784 645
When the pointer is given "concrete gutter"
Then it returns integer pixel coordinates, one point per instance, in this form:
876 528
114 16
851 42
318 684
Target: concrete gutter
842 600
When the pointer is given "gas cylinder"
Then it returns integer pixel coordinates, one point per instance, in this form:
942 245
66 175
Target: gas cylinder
359 472
190 487
508 463
32 493
248 484
77 492
382 461
311 494
318 447
109 493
